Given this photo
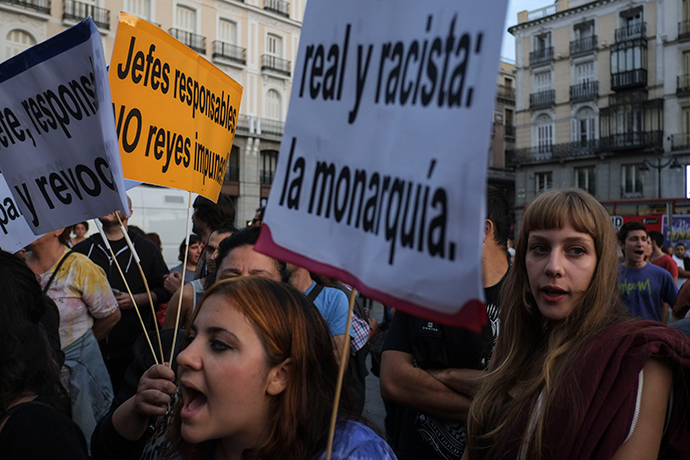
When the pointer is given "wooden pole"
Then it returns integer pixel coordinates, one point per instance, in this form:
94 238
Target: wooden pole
341 373
184 264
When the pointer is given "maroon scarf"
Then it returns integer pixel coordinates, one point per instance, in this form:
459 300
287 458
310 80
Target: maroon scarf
607 375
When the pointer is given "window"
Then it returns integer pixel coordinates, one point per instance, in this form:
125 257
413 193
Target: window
233 171
542 42
185 19
273 105
631 56
584 72
631 180
686 10
17 41
585 178
542 82
508 82
543 181
227 31
584 31
544 133
269 158
685 121
139 8
686 63
583 126
509 117
274 45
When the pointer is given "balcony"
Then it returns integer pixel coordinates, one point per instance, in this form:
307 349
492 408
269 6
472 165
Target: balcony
275 64
683 85
542 99
192 40
232 174
542 12
506 92
509 131
583 46
41 6
272 127
541 56
680 142
633 140
683 31
266 177
557 152
76 11
584 91
631 32
277 6
629 79
227 51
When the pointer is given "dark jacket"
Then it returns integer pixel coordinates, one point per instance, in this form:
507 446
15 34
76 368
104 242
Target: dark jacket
119 341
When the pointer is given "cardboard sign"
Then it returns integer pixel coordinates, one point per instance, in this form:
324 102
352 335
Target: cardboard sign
58 148
176 113
15 232
381 177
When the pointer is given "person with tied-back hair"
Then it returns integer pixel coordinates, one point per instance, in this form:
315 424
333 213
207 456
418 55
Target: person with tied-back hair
572 375
33 402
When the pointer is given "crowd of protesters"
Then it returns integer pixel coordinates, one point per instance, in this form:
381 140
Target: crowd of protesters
576 360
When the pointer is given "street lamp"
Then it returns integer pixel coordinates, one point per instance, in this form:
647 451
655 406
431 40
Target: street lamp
672 164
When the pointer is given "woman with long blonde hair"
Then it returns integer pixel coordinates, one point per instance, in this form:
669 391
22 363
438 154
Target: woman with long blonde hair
572 375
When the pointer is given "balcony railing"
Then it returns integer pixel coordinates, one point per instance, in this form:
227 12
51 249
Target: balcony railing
633 140
542 99
542 12
588 148
584 91
230 52
277 6
232 173
541 55
583 45
266 177
631 32
680 141
506 92
629 79
76 11
42 6
194 41
275 64
272 127
683 85
683 30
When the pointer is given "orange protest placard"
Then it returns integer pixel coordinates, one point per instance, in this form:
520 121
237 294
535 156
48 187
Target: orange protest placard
175 112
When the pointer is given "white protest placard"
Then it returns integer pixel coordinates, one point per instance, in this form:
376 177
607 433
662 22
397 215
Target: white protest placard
14 231
58 144
381 176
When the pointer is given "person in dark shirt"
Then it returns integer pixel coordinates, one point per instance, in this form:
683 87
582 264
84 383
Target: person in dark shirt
33 402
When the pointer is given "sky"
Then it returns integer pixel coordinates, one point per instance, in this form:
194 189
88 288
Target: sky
515 6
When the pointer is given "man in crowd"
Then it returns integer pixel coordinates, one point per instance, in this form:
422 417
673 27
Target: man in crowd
207 217
192 292
644 287
683 263
116 347
660 258
432 370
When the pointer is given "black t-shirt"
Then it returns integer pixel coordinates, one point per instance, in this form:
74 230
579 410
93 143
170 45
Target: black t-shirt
435 346
36 431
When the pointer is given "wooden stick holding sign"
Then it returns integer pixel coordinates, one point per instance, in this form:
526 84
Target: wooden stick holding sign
345 352
184 264
146 284
129 291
